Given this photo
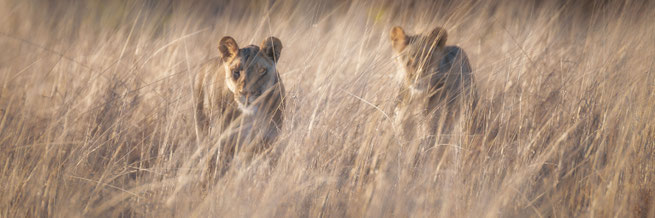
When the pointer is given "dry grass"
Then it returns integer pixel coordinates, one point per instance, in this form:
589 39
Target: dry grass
96 113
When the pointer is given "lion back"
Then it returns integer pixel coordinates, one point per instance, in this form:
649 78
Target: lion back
457 68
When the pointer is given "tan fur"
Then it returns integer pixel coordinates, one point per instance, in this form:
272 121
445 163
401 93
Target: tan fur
245 95
436 82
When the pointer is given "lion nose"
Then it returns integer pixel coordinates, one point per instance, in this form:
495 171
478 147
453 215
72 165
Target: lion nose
245 93
248 94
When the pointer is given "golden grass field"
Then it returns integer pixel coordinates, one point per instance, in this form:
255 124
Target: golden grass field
96 111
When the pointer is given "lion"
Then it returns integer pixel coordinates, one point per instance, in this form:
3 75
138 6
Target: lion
246 97
436 82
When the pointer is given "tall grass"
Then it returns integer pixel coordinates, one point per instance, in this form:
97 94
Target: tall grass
96 110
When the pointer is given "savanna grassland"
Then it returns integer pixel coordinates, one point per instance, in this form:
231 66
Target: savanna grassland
97 111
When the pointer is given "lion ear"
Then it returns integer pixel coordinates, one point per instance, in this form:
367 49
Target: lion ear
228 48
398 39
439 34
272 48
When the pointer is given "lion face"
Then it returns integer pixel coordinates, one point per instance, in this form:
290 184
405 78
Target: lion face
250 72
418 56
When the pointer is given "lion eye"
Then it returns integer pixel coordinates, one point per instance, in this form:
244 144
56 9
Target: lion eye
236 74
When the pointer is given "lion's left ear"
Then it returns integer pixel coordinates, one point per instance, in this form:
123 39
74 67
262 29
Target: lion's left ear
399 39
228 48
272 48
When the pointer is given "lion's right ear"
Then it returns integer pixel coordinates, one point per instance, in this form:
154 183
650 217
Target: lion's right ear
228 48
439 34
398 38
272 48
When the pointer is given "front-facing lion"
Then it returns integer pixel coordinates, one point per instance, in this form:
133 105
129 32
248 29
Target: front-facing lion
436 83
245 96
